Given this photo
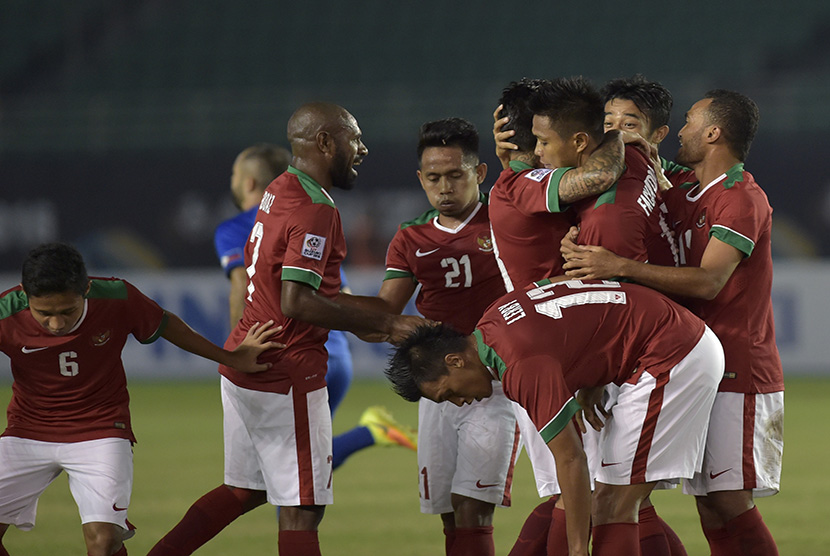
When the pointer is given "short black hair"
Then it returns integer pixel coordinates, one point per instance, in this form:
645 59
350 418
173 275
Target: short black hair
450 132
54 268
515 101
737 115
273 161
650 97
572 104
420 358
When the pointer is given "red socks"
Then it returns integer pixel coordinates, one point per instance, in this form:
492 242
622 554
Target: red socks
206 517
675 544
746 534
558 534
653 540
449 540
299 543
613 539
473 541
533 537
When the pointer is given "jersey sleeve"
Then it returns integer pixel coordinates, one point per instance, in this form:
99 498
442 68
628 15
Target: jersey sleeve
537 384
230 245
737 220
397 265
537 191
148 319
310 235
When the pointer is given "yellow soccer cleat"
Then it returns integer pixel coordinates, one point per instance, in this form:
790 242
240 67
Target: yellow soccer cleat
386 431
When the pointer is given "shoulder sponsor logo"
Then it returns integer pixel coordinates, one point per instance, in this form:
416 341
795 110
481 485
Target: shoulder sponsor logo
539 174
485 244
714 476
480 485
313 246
420 253
25 349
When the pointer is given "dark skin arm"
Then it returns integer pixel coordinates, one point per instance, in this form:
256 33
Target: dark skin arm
703 282
366 317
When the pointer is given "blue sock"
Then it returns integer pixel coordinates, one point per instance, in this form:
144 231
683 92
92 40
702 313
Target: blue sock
350 442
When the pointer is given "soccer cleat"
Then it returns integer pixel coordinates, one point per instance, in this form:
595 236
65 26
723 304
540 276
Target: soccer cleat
386 431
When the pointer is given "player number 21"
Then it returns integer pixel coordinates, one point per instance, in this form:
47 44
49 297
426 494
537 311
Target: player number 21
455 268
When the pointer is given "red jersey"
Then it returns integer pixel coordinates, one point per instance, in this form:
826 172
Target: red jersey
549 341
72 388
455 268
297 236
629 219
735 210
527 223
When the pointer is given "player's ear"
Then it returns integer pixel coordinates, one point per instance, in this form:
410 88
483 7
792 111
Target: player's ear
713 133
580 141
325 142
481 172
88 286
454 360
659 134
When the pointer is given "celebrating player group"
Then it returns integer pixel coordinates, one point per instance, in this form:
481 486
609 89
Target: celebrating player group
603 308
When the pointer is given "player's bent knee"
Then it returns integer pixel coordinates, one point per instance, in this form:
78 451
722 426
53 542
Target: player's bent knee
102 539
469 512
249 499
301 518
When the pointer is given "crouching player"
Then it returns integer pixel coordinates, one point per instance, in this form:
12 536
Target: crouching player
552 339
64 332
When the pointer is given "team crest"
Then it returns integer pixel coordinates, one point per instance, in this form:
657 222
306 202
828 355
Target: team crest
701 220
313 246
485 244
101 338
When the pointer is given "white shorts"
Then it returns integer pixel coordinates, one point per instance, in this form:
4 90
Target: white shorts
100 478
657 428
469 450
279 443
745 445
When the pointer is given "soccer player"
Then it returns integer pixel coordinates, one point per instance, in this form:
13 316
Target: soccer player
64 332
465 455
255 168
278 425
556 339
559 124
723 225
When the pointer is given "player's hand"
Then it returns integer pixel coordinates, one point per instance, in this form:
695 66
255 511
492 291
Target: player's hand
589 262
255 342
503 144
568 244
590 400
632 138
404 325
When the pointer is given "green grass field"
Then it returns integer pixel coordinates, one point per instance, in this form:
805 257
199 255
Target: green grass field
179 458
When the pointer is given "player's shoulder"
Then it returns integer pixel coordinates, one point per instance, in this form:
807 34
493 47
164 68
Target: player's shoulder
299 184
13 301
108 288
423 219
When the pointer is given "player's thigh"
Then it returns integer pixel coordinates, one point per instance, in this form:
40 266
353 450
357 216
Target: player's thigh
437 456
744 448
100 479
27 467
280 443
488 445
657 429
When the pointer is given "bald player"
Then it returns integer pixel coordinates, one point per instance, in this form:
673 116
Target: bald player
278 440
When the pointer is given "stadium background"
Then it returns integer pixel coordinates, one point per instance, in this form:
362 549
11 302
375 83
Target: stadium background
119 122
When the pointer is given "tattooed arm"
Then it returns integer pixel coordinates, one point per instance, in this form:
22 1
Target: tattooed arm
602 170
